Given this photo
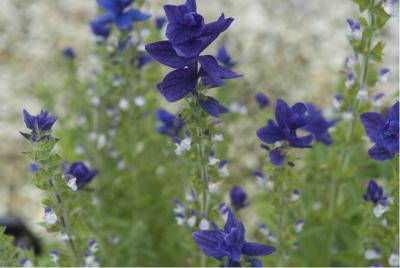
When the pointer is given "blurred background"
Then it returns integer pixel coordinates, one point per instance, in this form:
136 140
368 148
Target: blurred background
293 49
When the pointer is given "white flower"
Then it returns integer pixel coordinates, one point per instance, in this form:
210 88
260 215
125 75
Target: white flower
80 149
26 263
123 104
120 164
71 183
180 219
54 256
350 80
90 260
63 236
380 208
191 221
93 245
217 137
95 100
223 169
394 260
362 95
389 6
183 146
204 224
347 116
139 101
236 107
212 161
299 226
371 254
295 195
213 187
189 195
49 216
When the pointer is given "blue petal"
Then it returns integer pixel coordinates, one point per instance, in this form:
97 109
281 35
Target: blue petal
300 142
211 106
189 49
137 15
29 119
282 113
380 153
271 133
208 242
299 116
372 122
276 157
163 52
227 73
255 249
394 112
109 5
178 83
211 69
101 25
191 4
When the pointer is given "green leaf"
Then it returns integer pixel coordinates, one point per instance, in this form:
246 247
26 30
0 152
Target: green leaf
381 16
377 52
362 4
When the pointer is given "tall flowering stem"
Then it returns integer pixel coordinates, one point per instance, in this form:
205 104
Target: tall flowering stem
362 75
49 176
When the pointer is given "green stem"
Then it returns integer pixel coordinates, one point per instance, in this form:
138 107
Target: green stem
334 185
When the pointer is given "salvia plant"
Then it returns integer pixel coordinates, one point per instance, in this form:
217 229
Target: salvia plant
129 179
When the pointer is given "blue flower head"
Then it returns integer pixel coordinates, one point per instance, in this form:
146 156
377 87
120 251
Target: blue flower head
262 100
238 197
384 132
229 242
374 192
79 174
118 13
160 21
318 125
40 125
224 57
69 53
355 29
288 120
169 124
188 36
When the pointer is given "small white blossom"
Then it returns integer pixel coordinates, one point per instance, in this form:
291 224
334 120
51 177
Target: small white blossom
26 263
95 100
380 209
71 183
295 195
217 137
362 94
371 254
93 245
213 187
54 256
90 260
204 224
139 101
299 226
123 104
49 216
394 260
183 146
223 169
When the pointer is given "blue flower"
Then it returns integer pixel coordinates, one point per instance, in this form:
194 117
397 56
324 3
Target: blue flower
288 119
78 175
224 57
384 74
229 242
33 167
262 100
160 21
374 192
119 13
356 29
169 124
238 197
384 132
40 125
188 36
318 125
69 53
